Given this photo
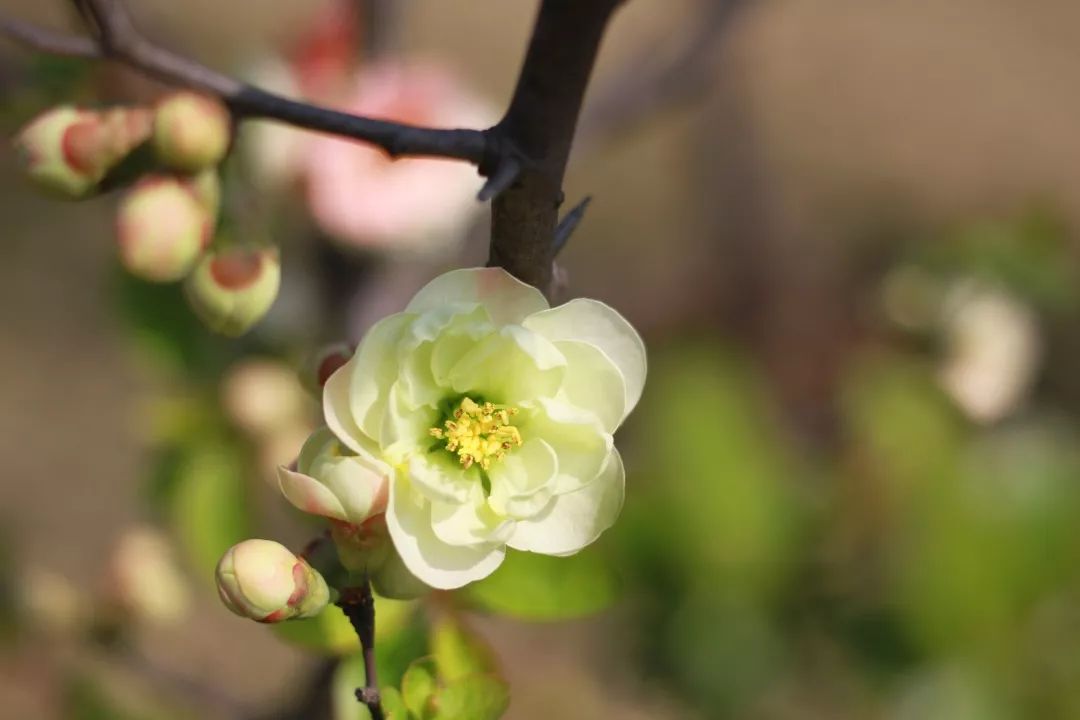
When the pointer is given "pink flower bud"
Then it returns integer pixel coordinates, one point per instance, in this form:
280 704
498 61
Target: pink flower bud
266 582
67 151
322 364
162 229
232 289
191 131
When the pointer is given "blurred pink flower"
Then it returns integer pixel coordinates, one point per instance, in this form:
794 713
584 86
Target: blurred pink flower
419 206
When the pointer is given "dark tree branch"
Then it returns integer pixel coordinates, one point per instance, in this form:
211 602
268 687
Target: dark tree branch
358 604
119 40
540 123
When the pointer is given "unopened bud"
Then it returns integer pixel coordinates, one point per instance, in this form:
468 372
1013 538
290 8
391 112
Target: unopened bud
262 397
206 187
366 549
264 581
191 131
162 229
233 289
67 151
144 578
322 364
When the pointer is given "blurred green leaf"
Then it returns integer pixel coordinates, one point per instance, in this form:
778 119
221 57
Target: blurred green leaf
209 503
476 697
396 633
541 587
419 686
394 705
458 650
347 677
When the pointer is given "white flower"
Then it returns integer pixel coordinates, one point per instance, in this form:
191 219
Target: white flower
484 418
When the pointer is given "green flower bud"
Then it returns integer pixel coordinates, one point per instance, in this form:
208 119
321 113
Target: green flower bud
232 289
191 131
321 365
264 581
67 151
162 229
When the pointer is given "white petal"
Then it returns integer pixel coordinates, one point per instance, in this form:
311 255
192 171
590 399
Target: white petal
469 523
439 476
507 299
374 369
577 437
361 486
523 482
310 495
593 382
338 413
405 428
594 322
427 557
575 520
512 366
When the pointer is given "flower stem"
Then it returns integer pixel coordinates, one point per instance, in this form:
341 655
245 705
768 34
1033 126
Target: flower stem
358 604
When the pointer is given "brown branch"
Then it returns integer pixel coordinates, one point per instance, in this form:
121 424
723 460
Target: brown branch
119 40
540 124
48 41
648 85
358 604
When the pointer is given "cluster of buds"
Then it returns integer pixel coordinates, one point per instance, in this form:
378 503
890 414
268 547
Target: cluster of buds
165 224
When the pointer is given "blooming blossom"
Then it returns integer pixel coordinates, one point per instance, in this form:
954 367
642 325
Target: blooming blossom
478 419
414 205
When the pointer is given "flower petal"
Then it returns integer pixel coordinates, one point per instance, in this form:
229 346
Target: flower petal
338 413
469 523
523 482
374 369
426 556
404 428
507 299
439 476
595 323
593 382
360 485
576 436
511 366
575 520
309 495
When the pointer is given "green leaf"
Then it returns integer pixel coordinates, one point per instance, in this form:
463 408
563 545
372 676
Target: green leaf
477 697
540 587
458 650
418 687
331 633
394 705
210 503
347 676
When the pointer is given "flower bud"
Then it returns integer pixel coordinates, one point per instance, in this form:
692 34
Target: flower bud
67 151
144 578
264 581
232 289
322 364
162 229
262 396
191 131
366 549
206 187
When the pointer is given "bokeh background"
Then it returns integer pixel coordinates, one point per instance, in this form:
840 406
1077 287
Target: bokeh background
846 230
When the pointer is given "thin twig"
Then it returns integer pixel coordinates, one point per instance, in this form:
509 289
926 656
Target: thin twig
48 41
358 604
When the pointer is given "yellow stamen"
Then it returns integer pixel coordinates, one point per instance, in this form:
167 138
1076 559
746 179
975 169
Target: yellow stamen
479 434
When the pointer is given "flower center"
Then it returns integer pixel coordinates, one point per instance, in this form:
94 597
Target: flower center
478 433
